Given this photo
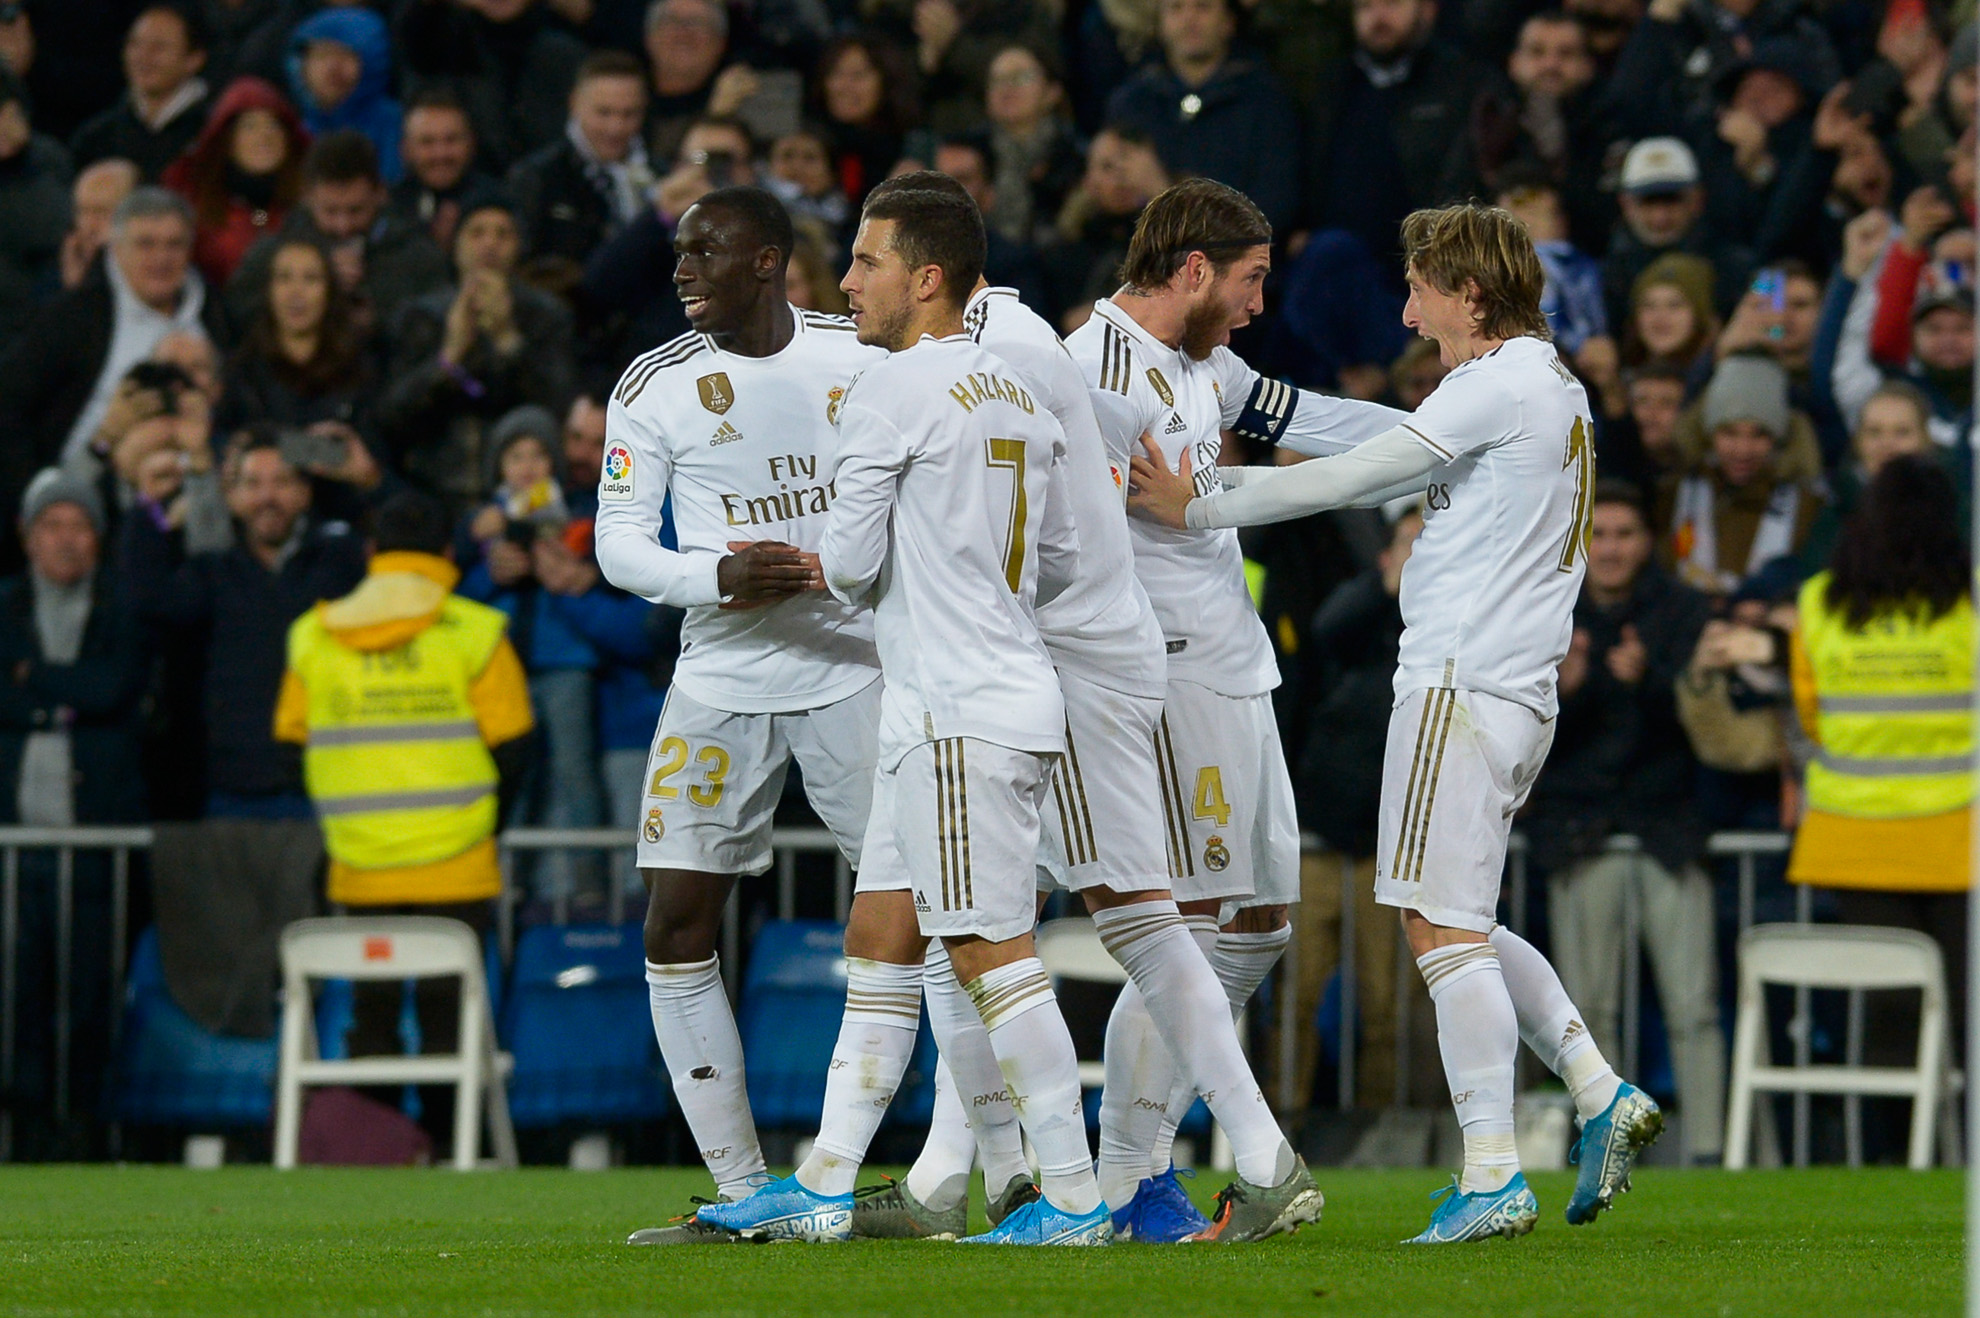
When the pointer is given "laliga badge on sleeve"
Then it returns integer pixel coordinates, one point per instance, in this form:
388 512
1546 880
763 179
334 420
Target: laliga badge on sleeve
615 479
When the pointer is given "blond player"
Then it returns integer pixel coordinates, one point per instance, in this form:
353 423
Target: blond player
1503 451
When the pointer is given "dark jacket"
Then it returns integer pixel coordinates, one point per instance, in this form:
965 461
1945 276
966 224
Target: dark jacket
563 212
99 691
435 418
1245 131
400 263
1621 762
1628 257
242 611
118 132
1352 646
1664 80
34 218
1379 153
514 78
628 292
414 205
47 374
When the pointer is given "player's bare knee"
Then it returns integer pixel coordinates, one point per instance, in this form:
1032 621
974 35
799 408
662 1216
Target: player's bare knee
1424 937
1210 906
1106 899
683 915
882 927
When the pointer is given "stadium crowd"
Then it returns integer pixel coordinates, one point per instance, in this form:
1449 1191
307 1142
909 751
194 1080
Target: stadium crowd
268 263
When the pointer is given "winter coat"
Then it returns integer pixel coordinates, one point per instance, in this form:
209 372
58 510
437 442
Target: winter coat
118 133
219 246
370 108
100 690
1244 132
243 611
34 218
514 78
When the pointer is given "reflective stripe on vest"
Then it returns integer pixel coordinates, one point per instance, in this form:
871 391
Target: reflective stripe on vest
1894 702
395 764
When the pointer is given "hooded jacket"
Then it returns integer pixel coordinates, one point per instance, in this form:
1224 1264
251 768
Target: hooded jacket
369 108
219 247
402 596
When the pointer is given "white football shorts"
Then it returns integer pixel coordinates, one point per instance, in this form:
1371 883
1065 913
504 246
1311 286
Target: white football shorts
713 779
957 822
1231 829
1458 766
1104 824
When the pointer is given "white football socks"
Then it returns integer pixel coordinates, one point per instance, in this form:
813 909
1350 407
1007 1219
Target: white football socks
982 1094
1182 995
703 1053
876 1038
1478 1036
1035 1052
939 1178
1241 961
1552 1027
1140 1074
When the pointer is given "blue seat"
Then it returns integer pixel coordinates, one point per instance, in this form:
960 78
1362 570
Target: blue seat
172 1072
579 1025
793 998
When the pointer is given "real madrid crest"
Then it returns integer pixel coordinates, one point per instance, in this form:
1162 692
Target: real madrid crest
716 392
1215 854
1167 394
656 827
833 398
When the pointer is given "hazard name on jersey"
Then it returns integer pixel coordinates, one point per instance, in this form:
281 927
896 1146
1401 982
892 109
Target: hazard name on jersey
981 387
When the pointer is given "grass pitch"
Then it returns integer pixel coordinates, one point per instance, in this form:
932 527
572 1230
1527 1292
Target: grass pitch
162 1241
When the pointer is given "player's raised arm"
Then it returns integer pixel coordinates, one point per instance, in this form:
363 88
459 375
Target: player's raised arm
1273 412
872 456
1389 466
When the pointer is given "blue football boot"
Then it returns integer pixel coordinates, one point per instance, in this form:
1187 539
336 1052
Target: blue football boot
784 1210
1608 1148
1510 1211
1160 1212
1039 1223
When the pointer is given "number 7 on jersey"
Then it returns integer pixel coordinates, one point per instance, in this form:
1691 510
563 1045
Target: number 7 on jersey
1009 453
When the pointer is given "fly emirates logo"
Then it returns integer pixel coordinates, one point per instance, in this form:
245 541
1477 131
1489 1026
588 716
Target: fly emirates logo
794 498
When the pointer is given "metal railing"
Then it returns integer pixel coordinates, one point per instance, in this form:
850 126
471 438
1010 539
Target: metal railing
788 844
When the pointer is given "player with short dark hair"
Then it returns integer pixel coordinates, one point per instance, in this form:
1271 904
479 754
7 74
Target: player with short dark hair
1504 452
733 422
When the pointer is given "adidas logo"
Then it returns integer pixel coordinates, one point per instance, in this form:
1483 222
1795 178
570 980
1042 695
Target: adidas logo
726 434
1175 426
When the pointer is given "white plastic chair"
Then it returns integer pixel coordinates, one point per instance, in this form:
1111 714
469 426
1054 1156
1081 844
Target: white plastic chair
393 948
1846 957
1071 949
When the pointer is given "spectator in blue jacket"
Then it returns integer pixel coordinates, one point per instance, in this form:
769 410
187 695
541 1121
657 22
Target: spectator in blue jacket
340 69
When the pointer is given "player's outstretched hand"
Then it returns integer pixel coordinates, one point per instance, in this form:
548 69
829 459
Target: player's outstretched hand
1155 492
760 572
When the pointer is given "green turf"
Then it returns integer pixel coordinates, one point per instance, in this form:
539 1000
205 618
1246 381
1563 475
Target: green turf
105 1241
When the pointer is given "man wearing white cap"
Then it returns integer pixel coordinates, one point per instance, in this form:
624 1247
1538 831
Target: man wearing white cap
1663 210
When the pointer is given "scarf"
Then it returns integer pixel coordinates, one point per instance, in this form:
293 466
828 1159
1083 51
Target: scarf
1695 523
623 184
46 794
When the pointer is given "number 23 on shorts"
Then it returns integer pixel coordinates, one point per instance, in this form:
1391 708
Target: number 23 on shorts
674 755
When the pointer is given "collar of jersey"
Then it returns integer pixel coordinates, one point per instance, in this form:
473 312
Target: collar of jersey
986 293
1127 324
797 332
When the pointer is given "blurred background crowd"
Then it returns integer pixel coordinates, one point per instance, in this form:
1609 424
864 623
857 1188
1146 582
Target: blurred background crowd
266 263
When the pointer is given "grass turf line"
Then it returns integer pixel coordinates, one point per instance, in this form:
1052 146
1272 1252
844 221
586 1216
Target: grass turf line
117 1241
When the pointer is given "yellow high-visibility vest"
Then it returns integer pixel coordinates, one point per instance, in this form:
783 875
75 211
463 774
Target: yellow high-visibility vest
1895 717
395 764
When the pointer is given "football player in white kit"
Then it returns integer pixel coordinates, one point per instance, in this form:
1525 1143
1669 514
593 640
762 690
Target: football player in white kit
1104 839
1504 452
734 421
1156 364
950 511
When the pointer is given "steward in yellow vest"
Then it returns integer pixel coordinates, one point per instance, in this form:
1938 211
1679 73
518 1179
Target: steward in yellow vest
413 711
1883 683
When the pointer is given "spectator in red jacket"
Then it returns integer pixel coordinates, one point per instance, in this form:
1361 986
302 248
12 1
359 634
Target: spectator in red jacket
242 175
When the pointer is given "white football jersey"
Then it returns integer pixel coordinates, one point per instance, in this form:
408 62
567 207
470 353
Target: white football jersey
1195 579
745 447
950 503
1101 626
1488 593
